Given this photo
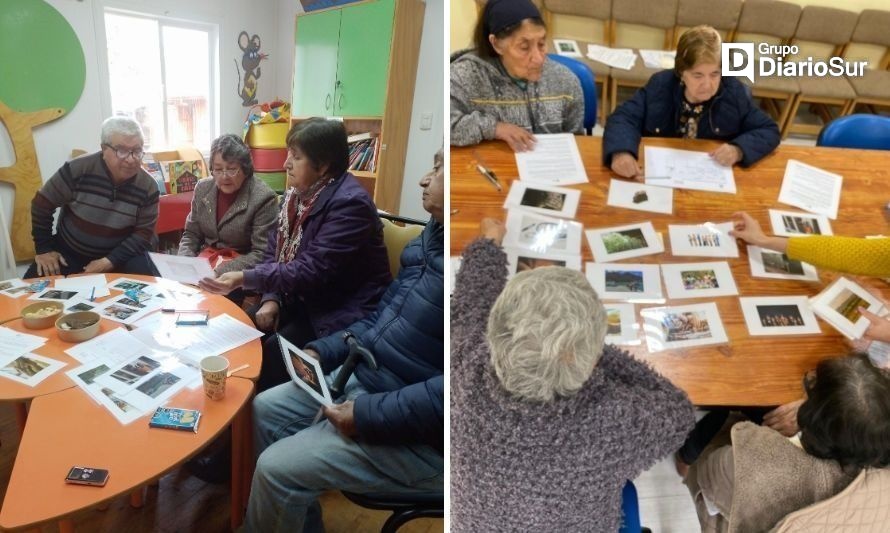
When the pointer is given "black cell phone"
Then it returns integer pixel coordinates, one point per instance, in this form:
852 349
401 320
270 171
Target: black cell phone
81 475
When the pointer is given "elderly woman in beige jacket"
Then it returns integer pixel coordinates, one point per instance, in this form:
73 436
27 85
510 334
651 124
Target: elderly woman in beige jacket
233 212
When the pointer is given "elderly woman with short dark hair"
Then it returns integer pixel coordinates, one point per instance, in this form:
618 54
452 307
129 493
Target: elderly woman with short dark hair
232 212
547 422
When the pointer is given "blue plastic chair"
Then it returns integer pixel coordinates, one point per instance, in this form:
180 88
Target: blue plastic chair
871 132
630 510
588 87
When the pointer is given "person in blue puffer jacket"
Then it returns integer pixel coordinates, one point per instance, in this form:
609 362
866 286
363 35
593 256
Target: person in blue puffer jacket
388 436
691 101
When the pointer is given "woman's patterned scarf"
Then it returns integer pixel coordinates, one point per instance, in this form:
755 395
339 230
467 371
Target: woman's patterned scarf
297 207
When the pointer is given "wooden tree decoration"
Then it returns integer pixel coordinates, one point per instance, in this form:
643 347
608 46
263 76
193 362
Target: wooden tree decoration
43 71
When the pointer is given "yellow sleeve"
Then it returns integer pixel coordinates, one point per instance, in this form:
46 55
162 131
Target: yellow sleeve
870 257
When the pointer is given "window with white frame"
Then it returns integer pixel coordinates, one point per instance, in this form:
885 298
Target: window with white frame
160 72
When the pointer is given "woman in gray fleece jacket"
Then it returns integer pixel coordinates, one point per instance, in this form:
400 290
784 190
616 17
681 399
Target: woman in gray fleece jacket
547 423
506 88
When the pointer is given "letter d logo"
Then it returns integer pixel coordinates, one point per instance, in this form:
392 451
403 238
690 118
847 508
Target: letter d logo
737 59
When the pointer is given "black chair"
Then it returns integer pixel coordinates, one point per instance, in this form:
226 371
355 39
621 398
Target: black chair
404 507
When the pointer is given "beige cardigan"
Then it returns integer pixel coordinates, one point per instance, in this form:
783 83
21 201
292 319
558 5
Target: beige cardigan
245 226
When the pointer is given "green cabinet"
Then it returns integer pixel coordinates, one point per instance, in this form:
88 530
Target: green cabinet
341 60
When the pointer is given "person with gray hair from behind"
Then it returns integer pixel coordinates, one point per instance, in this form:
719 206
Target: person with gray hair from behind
547 422
108 207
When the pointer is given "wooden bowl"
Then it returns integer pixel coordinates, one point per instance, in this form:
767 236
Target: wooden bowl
78 327
41 315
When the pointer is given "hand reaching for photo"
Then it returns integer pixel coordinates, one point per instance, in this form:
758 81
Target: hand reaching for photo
879 327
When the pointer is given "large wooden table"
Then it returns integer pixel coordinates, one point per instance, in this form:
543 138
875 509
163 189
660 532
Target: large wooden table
749 370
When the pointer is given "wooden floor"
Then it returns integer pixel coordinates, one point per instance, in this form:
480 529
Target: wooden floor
182 503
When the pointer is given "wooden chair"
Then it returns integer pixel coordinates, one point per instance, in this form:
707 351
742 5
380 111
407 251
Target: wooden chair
587 22
872 89
772 22
722 15
661 16
834 28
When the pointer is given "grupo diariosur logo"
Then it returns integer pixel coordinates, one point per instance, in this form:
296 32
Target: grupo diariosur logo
738 60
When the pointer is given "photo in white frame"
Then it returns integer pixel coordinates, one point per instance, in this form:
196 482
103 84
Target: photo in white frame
776 265
798 224
567 47
543 199
542 234
682 326
624 242
640 197
703 240
839 305
519 260
625 281
698 280
779 315
621 324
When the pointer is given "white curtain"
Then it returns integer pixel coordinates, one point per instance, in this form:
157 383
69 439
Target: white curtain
7 261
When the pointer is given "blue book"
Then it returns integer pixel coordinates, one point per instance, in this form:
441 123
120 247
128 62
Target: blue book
175 418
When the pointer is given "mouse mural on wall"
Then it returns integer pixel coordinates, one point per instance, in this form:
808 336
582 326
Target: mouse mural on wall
250 63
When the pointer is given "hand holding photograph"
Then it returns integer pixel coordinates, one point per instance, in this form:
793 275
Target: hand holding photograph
839 305
305 371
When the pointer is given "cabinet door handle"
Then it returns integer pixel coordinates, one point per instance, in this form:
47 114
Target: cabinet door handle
327 102
340 101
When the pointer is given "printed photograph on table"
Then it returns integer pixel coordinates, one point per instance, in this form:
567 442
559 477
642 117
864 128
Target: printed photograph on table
779 315
666 328
623 242
703 240
621 324
125 284
698 280
566 47
544 200
797 224
542 234
625 281
16 291
838 305
55 295
640 197
522 260
29 369
776 265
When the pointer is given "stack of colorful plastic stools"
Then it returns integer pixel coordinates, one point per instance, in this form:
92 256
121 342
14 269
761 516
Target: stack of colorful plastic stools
269 151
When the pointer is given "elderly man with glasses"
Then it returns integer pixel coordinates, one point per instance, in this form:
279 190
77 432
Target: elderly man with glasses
108 206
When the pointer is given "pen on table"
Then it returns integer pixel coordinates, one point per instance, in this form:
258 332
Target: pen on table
172 310
489 175
93 294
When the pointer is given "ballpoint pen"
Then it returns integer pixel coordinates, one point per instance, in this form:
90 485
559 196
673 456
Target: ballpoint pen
489 175
93 294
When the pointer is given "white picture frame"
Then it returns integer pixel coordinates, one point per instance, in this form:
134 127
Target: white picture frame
703 240
624 242
779 315
51 294
798 223
626 282
29 368
542 234
698 280
777 265
319 390
519 260
629 194
683 326
621 324
567 47
14 288
543 199
838 304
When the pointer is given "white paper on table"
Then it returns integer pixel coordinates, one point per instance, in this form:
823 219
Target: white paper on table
687 169
703 240
662 59
811 189
94 285
542 199
625 281
13 287
120 409
519 260
544 235
566 47
621 324
621 58
776 265
779 315
115 346
58 295
14 343
698 280
221 334
147 381
682 326
115 309
555 160
797 224
29 369
838 303
181 268
623 242
639 196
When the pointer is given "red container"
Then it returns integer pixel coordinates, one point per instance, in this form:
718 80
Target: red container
268 160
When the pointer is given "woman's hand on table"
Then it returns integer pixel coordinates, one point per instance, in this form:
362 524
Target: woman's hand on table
519 139
493 229
267 316
625 165
224 284
727 155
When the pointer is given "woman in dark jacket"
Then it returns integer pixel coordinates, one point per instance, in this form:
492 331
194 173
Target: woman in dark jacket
692 101
326 265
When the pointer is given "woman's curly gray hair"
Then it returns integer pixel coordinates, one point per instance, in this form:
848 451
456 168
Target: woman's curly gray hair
546 333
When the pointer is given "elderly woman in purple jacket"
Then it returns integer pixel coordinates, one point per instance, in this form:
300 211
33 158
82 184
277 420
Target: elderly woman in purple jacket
326 265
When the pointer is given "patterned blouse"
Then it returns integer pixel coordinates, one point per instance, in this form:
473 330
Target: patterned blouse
690 114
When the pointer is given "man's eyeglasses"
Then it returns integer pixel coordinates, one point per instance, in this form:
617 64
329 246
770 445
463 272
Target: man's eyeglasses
230 172
124 154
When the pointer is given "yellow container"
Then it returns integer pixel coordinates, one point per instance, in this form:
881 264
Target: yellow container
268 136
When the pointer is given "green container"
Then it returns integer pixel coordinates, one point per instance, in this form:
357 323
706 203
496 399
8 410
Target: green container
275 180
